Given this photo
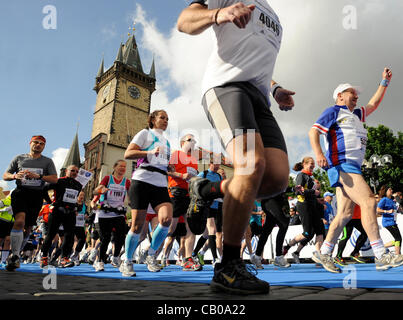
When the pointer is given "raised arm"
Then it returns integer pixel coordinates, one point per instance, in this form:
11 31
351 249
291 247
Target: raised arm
380 92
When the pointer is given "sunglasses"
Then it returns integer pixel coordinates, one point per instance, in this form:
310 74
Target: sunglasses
73 170
191 140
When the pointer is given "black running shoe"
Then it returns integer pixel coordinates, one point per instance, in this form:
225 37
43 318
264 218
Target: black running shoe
196 214
13 262
235 278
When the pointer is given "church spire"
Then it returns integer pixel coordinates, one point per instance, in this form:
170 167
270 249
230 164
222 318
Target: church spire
73 156
131 54
152 70
101 69
119 56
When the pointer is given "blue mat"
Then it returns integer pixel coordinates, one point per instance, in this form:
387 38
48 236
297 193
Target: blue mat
302 275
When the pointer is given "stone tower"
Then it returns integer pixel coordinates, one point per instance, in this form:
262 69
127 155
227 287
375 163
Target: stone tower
121 110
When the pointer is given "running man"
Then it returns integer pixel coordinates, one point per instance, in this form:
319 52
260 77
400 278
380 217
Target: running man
236 90
30 171
345 142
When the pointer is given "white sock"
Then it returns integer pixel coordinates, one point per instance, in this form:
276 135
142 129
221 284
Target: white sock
16 239
327 248
378 248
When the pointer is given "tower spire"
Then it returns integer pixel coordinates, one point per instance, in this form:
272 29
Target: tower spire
101 68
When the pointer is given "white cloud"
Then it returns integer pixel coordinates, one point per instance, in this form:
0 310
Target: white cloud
5 185
58 157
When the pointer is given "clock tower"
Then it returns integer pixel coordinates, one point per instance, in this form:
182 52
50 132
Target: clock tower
121 110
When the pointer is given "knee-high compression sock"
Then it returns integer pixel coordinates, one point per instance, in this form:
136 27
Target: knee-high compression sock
159 237
16 239
211 190
200 243
213 246
230 253
131 244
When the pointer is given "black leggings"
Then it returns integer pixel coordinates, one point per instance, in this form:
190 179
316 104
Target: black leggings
57 218
395 232
79 232
311 220
105 226
347 231
274 216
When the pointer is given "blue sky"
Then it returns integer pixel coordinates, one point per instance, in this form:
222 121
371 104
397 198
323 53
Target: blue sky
47 76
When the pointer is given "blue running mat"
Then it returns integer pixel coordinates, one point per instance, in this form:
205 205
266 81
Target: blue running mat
298 275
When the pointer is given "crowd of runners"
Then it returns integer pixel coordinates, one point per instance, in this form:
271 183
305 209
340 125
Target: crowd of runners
46 219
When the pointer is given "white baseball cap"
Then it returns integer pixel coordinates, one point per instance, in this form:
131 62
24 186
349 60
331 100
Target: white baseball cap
343 87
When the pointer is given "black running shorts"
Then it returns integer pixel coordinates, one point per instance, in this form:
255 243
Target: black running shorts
237 107
28 201
142 193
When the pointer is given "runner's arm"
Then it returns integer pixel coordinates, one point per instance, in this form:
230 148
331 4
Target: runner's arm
197 17
314 135
379 94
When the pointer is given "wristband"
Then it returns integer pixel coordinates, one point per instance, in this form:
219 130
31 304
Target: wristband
274 89
384 82
40 176
215 17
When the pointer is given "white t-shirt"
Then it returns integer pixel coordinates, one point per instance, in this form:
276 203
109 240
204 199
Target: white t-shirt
244 54
149 140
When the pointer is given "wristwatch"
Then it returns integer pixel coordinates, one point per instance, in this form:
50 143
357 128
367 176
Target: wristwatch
40 176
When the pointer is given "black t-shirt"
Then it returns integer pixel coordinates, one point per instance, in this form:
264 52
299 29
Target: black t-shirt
66 192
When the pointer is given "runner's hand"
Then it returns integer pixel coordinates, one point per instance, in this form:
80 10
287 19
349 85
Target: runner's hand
239 14
322 161
284 98
387 74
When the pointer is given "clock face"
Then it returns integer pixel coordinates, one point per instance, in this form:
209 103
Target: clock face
134 92
106 91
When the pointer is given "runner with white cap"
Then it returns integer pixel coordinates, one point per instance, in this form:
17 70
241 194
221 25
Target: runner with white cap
345 143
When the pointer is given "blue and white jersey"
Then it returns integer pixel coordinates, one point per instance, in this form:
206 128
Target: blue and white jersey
346 137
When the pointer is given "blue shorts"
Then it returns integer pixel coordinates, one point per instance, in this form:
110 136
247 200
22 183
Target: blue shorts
334 173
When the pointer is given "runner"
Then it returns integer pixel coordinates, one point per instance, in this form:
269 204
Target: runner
149 186
64 212
79 229
345 142
236 89
307 191
30 171
388 208
112 213
6 224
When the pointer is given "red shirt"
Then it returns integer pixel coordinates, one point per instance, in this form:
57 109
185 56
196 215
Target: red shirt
183 163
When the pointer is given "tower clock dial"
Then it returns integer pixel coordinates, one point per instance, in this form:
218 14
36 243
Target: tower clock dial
134 92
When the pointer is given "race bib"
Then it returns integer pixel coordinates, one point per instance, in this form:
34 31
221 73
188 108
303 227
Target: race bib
116 195
32 182
70 196
266 24
80 220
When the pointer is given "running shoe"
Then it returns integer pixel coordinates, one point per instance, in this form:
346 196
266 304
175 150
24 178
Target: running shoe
257 261
385 262
44 262
191 265
397 260
93 256
126 268
66 263
339 261
2 265
74 258
295 256
326 261
12 262
281 262
234 277
142 257
200 257
196 213
152 264
357 259
99 266
115 262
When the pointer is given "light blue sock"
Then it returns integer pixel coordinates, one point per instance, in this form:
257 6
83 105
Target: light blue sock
159 236
131 244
